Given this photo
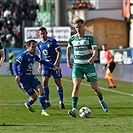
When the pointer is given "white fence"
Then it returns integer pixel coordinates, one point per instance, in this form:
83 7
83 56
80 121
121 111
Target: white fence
122 72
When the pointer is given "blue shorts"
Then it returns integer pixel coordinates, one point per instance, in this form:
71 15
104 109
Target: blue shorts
48 72
29 84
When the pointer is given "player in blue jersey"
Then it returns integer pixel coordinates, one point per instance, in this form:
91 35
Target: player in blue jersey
26 80
50 51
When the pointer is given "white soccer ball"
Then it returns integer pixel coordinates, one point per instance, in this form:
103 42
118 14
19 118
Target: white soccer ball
84 112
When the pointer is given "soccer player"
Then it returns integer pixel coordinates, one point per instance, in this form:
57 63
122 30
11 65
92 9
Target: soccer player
2 53
50 51
26 80
109 66
85 51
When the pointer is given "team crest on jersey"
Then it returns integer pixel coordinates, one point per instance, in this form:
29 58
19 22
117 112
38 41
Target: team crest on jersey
45 52
34 59
48 45
86 42
30 66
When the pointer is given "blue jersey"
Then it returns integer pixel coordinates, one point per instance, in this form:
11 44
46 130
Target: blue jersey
48 49
24 64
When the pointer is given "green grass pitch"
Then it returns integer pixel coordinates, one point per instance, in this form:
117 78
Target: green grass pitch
15 118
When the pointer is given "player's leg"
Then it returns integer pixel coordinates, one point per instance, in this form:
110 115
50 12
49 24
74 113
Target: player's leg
45 79
109 75
42 99
100 96
77 76
57 78
76 85
30 101
60 92
26 87
10 65
92 78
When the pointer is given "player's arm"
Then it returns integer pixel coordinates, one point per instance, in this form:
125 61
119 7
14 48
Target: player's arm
40 65
59 54
15 70
68 55
47 64
94 55
2 55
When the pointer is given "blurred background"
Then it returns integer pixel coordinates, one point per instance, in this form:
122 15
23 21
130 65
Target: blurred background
110 22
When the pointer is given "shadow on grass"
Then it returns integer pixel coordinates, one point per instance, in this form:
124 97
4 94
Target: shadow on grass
12 125
112 108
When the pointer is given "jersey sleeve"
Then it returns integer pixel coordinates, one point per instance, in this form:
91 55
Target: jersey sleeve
55 44
14 66
16 63
38 48
92 42
70 41
20 58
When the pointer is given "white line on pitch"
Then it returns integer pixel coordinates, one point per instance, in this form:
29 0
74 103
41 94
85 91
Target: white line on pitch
119 92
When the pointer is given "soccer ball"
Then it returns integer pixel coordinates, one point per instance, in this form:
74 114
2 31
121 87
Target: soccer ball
84 112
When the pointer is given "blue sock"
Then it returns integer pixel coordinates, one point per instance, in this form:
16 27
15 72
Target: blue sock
60 94
46 89
29 102
42 101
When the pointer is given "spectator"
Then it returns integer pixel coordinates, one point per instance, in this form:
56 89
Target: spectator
11 60
7 12
79 4
13 42
13 15
1 11
89 5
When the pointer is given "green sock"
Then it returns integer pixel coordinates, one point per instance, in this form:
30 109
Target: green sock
74 102
100 97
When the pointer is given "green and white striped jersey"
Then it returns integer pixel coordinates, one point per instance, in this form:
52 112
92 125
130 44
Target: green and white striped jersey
1 46
82 47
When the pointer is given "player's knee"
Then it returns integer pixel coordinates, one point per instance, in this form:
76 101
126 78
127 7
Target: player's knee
40 90
34 97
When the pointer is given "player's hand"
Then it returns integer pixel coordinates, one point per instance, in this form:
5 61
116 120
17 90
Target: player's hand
0 63
91 60
57 68
69 64
17 79
108 65
39 69
104 68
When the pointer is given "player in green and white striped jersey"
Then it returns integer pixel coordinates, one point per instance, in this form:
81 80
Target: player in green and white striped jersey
2 53
85 51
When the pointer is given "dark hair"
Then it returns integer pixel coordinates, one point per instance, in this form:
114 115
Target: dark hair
79 20
104 45
29 42
42 29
